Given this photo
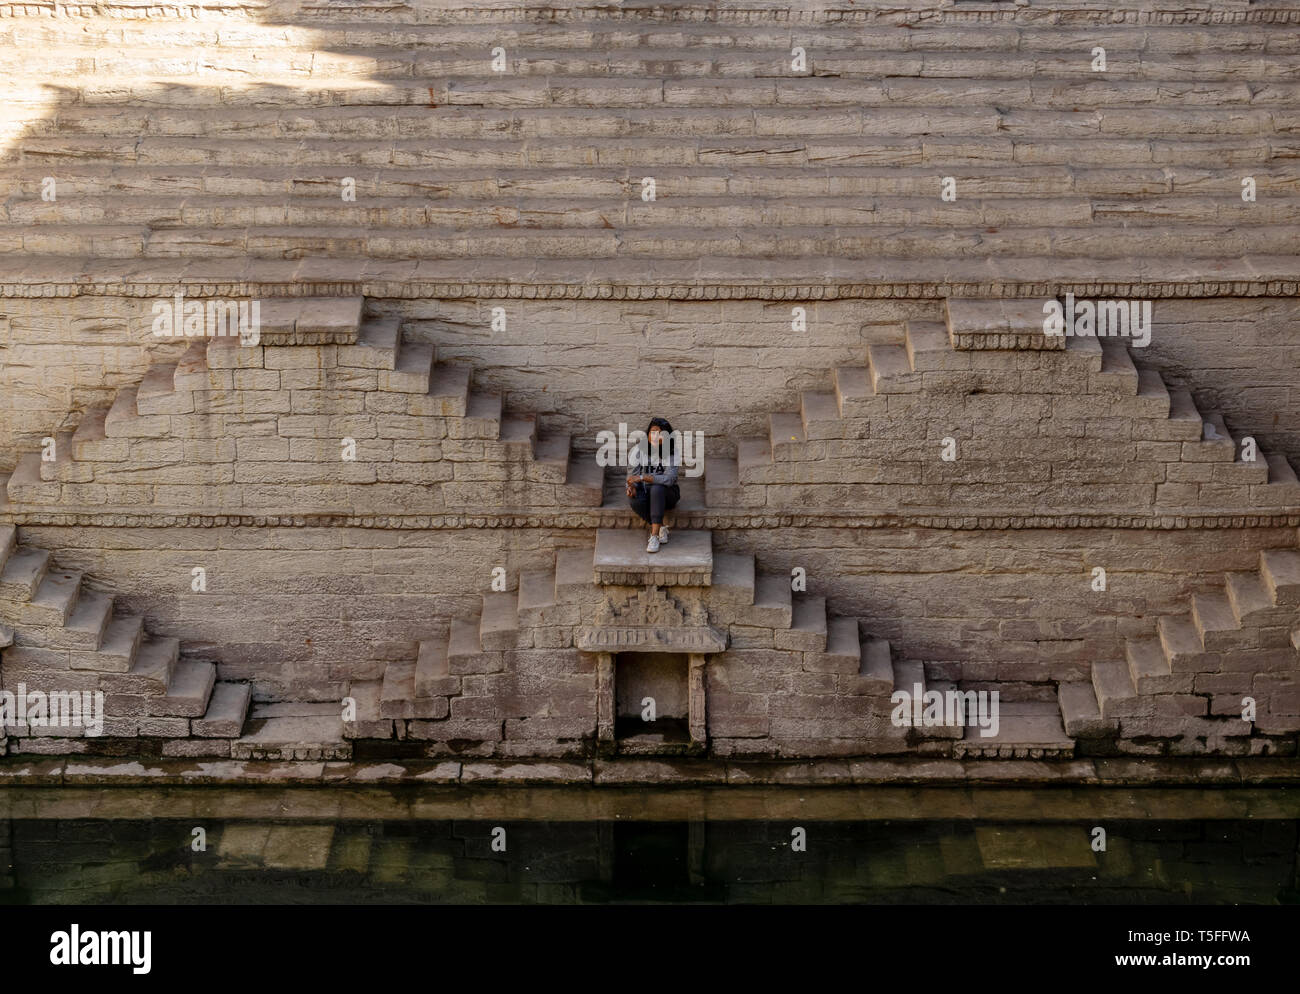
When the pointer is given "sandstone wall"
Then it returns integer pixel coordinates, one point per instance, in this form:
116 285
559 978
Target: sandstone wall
720 367
302 612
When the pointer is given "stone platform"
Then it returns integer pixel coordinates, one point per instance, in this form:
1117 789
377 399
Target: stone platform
686 560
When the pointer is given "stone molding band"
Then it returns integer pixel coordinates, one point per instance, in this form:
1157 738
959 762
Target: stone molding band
713 520
515 290
980 13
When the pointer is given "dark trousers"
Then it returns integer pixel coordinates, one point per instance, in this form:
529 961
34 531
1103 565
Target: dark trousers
653 499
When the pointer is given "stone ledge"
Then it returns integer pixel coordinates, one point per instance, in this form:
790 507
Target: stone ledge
657 279
27 772
721 519
1069 12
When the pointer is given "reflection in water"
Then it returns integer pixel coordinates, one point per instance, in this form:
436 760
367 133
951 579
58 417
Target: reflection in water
309 859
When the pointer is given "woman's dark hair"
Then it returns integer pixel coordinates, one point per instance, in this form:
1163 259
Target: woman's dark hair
663 425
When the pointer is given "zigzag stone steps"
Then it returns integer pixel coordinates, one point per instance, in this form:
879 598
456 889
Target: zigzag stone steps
1232 644
125 454
66 638
441 696
998 347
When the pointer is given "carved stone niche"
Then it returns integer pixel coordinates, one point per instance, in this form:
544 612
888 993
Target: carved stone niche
651 620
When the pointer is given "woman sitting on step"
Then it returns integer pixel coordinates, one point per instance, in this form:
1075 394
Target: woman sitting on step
652 480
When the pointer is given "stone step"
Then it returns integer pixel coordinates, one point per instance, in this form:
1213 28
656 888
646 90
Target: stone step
808 626
188 692
909 674
1080 713
752 455
118 649
1185 417
449 390
278 210
1147 666
1025 730
55 599
24 569
90 443
465 653
927 345
819 415
1282 475
307 736
664 244
311 320
25 485
366 722
226 711
152 671
684 57
124 421
1117 375
853 393
843 649
722 482
1248 597
584 483
157 394
192 370
379 343
876 668
398 697
482 417
1113 686
1216 444
786 437
536 595
621 558
890 370
1180 641
516 440
412 372
1280 571
499 621
1215 623
63 468
1152 394
84 630
433 676
551 458
733 578
397 690
984 324
773 605
574 573
1085 354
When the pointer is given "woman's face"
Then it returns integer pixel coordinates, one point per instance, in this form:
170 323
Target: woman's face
655 434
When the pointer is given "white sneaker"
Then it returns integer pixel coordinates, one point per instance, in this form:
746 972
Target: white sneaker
653 544
663 534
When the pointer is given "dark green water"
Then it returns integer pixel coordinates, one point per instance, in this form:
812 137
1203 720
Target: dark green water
893 846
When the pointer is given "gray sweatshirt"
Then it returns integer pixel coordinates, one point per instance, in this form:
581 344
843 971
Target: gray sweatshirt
638 466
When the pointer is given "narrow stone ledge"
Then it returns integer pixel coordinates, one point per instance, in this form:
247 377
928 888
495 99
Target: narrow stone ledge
22 772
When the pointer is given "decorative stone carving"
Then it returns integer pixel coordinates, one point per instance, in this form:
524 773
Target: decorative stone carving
650 620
